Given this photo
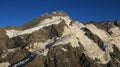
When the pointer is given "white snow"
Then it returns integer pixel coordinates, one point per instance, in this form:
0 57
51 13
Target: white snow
115 37
4 64
100 33
67 39
54 12
64 49
105 37
44 23
108 40
39 48
116 41
91 49
74 34
115 31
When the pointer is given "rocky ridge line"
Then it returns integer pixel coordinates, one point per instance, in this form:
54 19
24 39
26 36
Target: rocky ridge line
55 40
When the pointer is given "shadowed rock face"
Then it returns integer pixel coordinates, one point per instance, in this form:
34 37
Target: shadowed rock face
117 23
61 42
17 56
115 57
3 39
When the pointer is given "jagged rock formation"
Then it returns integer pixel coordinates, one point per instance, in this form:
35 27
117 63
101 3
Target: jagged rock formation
55 40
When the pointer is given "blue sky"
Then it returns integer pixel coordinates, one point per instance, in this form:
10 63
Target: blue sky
18 12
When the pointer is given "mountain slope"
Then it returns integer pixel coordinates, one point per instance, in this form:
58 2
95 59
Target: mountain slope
55 40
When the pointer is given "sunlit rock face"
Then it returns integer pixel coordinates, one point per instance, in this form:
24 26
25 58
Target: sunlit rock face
56 40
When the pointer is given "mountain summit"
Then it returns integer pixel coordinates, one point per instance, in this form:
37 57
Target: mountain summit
56 40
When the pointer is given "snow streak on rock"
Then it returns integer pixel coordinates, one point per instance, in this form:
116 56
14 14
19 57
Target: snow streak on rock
44 23
58 30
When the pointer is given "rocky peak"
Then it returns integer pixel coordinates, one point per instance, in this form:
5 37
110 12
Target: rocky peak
55 40
42 18
37 21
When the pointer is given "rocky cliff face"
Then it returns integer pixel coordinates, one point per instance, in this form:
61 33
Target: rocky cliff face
55 40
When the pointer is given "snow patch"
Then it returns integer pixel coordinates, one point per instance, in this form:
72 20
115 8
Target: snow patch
67 39
115 31
39 48
103 35
115 37
116 41
44 23
5 64
91 49
54 12
73 34
100 33
64 49
108 40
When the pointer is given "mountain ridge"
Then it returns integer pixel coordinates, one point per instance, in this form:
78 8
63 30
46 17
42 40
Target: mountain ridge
56 40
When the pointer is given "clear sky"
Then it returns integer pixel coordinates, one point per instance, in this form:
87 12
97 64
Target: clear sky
18 12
